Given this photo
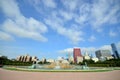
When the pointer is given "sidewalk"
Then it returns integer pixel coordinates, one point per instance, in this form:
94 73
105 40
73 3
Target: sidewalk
20 75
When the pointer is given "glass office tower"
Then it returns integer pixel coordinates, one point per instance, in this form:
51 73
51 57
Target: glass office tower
115 52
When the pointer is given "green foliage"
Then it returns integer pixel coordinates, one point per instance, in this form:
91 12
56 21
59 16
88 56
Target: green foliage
86 61
107 63
40 62
6 61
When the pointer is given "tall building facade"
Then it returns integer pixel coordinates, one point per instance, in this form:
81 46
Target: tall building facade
76 53
115 52
103 54
26 58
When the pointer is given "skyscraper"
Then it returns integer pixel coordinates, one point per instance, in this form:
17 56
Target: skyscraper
76 53
102 53
27 58
115 52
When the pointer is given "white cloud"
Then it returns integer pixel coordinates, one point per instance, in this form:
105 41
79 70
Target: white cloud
81 19
96 13
21 31
5 36
104 11
108 47
44 7
71 33
84 13
112 34
49 3
10 8
46 3
92 38
19 25
89 50
70 4
78 12
66 51
66 15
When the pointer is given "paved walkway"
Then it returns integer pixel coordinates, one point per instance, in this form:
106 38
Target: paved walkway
20 75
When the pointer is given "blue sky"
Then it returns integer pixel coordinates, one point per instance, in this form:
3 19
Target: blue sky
52 28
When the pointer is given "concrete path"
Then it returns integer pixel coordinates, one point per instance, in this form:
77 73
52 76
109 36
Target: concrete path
21 75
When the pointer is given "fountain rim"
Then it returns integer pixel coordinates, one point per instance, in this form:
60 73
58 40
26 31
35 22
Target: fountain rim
104 69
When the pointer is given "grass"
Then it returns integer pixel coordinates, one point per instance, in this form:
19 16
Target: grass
116 68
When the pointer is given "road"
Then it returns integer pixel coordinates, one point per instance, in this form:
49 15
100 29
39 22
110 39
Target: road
21 75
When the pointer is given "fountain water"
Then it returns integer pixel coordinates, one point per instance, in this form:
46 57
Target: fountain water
57 65
35 65
85 67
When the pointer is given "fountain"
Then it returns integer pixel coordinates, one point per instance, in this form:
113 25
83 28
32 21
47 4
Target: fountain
35 66
85 67
57 65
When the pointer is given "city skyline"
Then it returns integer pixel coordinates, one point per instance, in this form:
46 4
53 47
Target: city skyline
52 28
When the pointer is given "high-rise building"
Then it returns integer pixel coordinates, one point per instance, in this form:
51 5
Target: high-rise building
103 54
22 58
29 58
76 53
115 52
26 58
18 58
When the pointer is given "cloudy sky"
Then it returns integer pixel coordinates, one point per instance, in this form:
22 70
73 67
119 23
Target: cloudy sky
52 28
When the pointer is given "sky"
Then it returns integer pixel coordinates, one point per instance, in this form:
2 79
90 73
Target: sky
52 28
